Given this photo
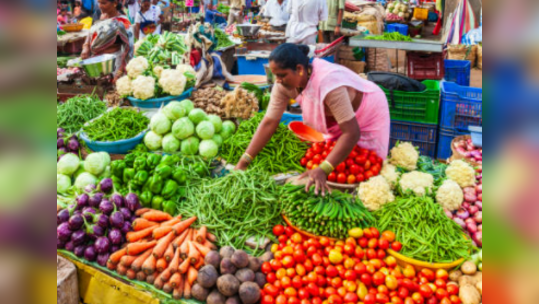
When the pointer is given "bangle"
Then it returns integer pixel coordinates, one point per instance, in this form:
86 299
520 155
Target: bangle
327 167
248 158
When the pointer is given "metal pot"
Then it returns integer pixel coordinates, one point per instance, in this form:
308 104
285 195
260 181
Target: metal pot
249 30
99 66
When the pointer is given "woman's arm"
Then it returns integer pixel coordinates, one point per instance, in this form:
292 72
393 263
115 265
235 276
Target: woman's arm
261 138
86 52
137 31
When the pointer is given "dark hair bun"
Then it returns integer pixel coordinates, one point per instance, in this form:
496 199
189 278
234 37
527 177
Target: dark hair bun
304 48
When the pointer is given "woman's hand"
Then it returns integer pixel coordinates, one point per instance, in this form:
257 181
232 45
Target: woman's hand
318 178
85 53
241 166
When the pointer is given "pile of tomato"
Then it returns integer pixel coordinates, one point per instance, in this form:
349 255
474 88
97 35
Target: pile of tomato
355 271
361 165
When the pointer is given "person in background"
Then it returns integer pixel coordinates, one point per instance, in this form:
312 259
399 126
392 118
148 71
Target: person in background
77 11
306 16
236 11
148 20
213 16
134 7
278 11
63 18
331 29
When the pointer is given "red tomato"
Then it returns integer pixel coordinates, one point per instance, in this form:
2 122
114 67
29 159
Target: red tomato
303 294
328 145
290 292
418 298
299 256
383 289
317 300
379 279
429 274
452 289
351 180
278 230
454 300
289 231
426 291
281 299
396 300
361 160
372 254
271 290
359 253
369 175
310 165
373 159
367 165
354 169
341 178
288 262
308 265
297 282
317 259
318 148
268 300
442 274
370 299
360 268
441 294
341 168
382 298
293 300
375 169
350 163
440 284
304 162
266 268
313 289
373 243
353 155
309 155
432 300
389 236
396 246
366 279
364 242
325 154
317 159
375 233
403 293
351 298
350 275
381 254
335 299
383 244
360 178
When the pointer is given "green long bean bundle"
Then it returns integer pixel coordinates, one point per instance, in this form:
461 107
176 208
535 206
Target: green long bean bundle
424 230
77 111
395 36
281 154
236 207
116 125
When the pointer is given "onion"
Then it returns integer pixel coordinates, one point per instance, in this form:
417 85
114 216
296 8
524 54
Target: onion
479 188
466 205
480 227
469 221
479 205
478 238
463 214
472 228
460 222
478 217
480 197
473 210
448 213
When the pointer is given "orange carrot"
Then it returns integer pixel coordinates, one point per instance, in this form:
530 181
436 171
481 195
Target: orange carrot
167 288
137 264
128 260
139 235
141 224
111 266
180 239
211 237
184 249
138 248
172 222
161 232
192 275
149 265
210 245
169 253
201 235
157 216
175 280
181 227
115 257
142 211
158 284
162 245
184 267
121 270
141 276
203 250
200 264
161 265
194 254
187 290
151 278
175 263
165 275
131 274
178 292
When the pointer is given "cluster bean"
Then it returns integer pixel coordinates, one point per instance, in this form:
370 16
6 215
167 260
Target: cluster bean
118 124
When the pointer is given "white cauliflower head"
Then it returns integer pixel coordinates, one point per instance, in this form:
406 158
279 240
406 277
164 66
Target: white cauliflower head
143 87
173 82
124 87
185 68
462 173
420 183
375 193
405 155
137 66
450 195
158 70
138 44
390 173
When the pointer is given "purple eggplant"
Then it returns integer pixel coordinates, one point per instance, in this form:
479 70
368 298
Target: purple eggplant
117 200
132 202
61 152
106 207
95 232
133 218
90 254
115 236
78 237
70 246
89 188
126 228
73 144
102 259
60 244
95 200
75 222
106 185
63 232
102 245
115 248
126 213
62 217
60 143
89 214
117 220
82 201
103 221
60 133
79 251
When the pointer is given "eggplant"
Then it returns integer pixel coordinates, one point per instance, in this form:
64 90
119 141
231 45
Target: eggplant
78 237
95 200
60 133
89 214
60 244
77 212
82 201
61 152
63 232
89 188
126 228
102 259
106 207
70 246
103 221
126 213
73 144
90 254
117 200
102 245
79 251
115 236
75 222
62 217
60 143
133 218
132 202
115 248
117 220
106 185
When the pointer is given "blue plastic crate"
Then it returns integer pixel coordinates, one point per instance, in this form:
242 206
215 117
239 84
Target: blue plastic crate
252 67
420 135
458 71
444 144
400 28
156 103
462 107
289 117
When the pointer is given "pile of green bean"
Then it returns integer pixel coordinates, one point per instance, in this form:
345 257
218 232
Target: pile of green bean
332 216
424 230
395 36
223 41
77 111
236 207
281 154
116 125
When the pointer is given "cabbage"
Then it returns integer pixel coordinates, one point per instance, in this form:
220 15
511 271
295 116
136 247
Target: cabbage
85 179
63 183
96 163
197 116
160 124
218 139
208 149
205 130
68 164
153 141
106 174
106 157
217 123
174 111
188 106
80 170
183 128
170 144
190 146
229 128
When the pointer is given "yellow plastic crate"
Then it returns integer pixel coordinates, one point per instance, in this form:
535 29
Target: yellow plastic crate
421 14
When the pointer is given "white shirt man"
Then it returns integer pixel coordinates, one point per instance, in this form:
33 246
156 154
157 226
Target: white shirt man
305 17
278 11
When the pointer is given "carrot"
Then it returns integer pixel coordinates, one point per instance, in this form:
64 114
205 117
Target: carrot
157 216
137 264
111 266
203 250
151 278
158 284
210 245
175 280
139 235
115 257
181 227
175 263
161 265
141 224
180 239
162 245
178 293
165 276
141 276
149 265
167 288
194 254
138 248
187 290
192 275
201 235
200 264
128 260
121 270
169 253
184 267
161 232
211 237
172 222
131 274
184 249
142 211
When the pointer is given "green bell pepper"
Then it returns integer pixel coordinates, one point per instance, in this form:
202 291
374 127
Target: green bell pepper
117 167
170 189
170 208
170 160
117 182
130 159
182 192
153 160
129 174
157 203
146 199
164 171
141 178
156 184
140 163
200 169
180 176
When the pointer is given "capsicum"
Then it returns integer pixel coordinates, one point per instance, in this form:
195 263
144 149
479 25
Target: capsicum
146 199
180 176
140 163
141 178
117 167
200 170
170 207
164 171
157 203
170 160
129 174
156 184
170 189
130 159
153 160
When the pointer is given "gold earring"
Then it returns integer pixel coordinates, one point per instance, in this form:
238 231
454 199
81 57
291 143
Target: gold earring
301 74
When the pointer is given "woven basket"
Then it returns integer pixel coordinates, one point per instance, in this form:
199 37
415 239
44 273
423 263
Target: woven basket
457 155
73 27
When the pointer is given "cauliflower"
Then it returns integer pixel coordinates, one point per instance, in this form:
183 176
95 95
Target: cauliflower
138 44
143 87
185 68
158 70
450 195
462 173
137 66
173 82
124 87
375 193
405 155
390 173
420 183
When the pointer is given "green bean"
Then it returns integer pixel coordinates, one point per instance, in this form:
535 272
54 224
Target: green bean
118 124
395 36
77 111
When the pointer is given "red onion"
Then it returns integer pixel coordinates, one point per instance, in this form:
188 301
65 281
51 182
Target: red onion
460 222
478 238
473 210
472 228
469 221
448 213
466 205
480 227
463 214
479 205
478 217
479 188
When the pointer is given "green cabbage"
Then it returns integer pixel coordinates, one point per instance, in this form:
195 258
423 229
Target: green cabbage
218 139
208 149
190 146
229 128
174 111
188 106
170 144
80 170
68 164
63 183
106 174
183 128
197 116
153 141
106 157
217 123
85 179
205 130
160 124
96 163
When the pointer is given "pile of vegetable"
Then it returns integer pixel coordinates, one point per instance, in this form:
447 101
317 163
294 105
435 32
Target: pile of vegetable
165 49
240 207
223 9
263 96
117 124
466 148
230 276
424 230
395 36
77 111
332 216
163 251
280 155
398 11
223 41
160 181
361 165
209 99
96 225
85 173
240 104
66 144
179 127
470 280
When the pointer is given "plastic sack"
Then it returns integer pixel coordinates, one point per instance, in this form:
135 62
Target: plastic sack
474 37
396 82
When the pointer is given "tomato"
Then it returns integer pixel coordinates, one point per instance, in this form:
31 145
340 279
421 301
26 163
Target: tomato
351 298
316 300
383 244
442 274
312 277
373 159
454 300
303 294
310 165
341 178
290 292
335 299
350 163
441 294
389 236
367 165
373 243
293 300
376 170
382 298
396 300
266 268
432 300
315 167
409 272
350 275
304 162
361 160
278 230
429 274
372 254
318 148
452 289
368 175
440 283
299 256
341 168
364 242
354 169
396 246
403 293
332 177
409 300
367 232
309 155
381 254
271 290
281 273
317 259
351 180
281 300
408 284
418 298
392 283
360 178
308 265
325 155
426 291
268 299
353 154
379 279
359 253
313 290
383 289
317 159
289 231
370 299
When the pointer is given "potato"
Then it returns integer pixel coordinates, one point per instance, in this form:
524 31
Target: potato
240 259
228 285
260 279
216 298
255 264
227 267
479 287
227 252
245 275
267 257
467 280
469 295
233 300
478 277
200 293
207 276
250 293
455 275
469 268
213 258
